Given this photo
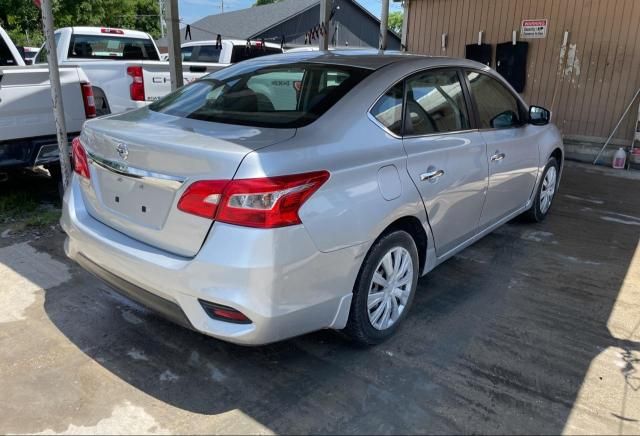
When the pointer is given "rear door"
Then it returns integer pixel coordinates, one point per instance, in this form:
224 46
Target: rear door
512 148
447 160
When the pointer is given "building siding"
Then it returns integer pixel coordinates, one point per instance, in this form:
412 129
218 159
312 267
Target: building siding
586 84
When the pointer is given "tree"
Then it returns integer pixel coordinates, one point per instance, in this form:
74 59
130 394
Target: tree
395 21
21 19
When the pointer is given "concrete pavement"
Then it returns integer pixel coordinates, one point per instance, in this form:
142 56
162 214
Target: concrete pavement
534 329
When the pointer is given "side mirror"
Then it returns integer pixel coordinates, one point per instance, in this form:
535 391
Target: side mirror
539 116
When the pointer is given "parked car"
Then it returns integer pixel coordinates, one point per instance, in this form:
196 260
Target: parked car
123 66
27 128
254 218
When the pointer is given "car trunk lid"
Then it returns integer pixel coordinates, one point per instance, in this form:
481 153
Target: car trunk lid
141 163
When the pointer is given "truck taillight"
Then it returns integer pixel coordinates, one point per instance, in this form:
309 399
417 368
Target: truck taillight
88 100
112 31
79 155
136 89
266 202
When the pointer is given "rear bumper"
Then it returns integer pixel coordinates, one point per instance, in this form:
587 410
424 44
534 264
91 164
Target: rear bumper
277 277
29 152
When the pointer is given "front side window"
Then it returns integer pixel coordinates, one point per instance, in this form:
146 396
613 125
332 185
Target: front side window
388 109
6 58
112 47
497 107
280 96
435 103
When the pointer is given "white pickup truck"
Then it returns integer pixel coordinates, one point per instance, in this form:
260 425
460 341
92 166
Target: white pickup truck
27 128
124 66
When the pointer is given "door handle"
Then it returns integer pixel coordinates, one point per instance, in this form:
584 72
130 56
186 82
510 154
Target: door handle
431 175
497 157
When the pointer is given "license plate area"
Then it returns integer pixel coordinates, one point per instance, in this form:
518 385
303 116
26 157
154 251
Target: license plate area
142 203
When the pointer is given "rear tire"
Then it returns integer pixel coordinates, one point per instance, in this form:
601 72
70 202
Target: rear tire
546 192
384 290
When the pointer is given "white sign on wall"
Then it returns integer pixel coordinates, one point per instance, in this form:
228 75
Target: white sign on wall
534 29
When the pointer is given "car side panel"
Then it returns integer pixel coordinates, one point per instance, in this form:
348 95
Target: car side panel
369 186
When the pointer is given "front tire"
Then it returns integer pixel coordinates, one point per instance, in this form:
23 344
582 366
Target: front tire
545 193
384 290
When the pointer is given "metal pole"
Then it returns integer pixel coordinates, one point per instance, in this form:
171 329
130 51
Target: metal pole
56 91
384 24
325 13
161 19
615 129
405 25
173 39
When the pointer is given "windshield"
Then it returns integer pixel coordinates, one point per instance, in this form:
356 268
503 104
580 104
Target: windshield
112 47
285 96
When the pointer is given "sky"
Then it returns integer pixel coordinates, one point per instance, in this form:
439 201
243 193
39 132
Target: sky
192 10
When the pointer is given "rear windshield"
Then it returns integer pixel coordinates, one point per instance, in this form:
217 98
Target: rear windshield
201 53
281 96
112 47
242 52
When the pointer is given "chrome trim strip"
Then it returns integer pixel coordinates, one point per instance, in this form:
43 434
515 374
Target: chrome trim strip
125 170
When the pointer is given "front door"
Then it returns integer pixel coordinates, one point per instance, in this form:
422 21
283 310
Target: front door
446 160
512 149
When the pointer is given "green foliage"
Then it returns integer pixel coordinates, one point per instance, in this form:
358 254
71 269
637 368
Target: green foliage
21 19
395 21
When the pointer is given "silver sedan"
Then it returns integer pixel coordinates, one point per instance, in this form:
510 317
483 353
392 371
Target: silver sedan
305 191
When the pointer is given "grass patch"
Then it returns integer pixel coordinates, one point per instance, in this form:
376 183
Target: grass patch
24 210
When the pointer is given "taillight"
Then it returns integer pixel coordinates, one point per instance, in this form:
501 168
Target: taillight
88 100
112 31
136 89
202 198
80 163
264 202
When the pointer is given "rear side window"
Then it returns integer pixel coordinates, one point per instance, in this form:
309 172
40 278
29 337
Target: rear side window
111 47
242 53
41 57
280 96
388 109
435 103
497 107
6 58
207 53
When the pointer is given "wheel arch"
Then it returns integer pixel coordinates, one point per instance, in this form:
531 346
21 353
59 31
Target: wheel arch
415 229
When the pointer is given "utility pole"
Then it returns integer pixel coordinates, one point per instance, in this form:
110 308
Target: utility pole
56 91
384 24
173 38
160 8
325 13
222 6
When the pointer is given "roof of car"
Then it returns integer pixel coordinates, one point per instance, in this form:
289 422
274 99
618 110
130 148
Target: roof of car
85 30
368 59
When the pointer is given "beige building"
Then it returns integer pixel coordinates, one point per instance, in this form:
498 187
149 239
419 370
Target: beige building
583 58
